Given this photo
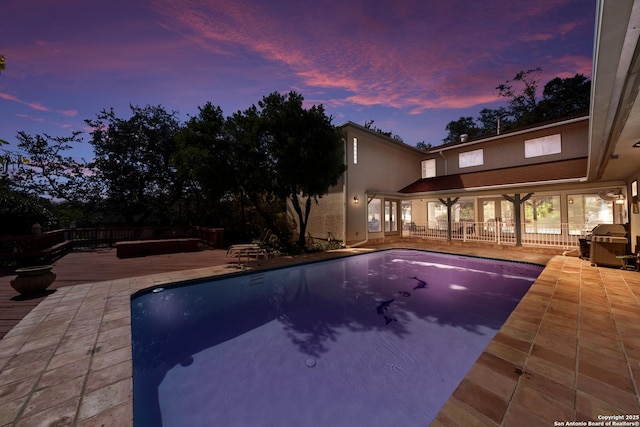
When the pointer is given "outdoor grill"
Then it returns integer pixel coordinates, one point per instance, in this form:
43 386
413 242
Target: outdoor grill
607 241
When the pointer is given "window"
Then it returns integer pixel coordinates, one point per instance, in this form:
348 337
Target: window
373 216
585 211
355 151
542 215
471 158
429 168
544 146
463 210
437 215
390 216
406 212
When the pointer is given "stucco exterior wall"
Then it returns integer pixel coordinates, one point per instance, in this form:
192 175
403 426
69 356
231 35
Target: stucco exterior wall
508 150
383 165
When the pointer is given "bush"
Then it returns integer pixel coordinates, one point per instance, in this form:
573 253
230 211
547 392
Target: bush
18 213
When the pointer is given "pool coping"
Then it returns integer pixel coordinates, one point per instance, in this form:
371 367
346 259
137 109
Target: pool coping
69 360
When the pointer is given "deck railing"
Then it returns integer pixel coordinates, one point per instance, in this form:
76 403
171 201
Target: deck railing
42 245
502 233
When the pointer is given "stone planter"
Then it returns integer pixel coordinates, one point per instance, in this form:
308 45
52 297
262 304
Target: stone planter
31 280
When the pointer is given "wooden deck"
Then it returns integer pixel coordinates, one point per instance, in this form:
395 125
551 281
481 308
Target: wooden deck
96 266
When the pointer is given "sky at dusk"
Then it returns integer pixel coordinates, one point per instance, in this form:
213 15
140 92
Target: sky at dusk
412 66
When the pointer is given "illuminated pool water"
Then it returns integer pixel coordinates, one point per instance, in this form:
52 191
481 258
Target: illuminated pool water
377 339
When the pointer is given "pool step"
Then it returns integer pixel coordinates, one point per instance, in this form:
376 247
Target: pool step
256 279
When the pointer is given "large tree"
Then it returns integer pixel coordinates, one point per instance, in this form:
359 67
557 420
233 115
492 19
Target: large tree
289 153
133 158
203 163
565 97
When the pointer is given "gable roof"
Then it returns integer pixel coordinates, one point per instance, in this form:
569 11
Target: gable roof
381 137
573 169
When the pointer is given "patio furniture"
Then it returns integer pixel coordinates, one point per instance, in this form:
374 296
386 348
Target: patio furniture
630 262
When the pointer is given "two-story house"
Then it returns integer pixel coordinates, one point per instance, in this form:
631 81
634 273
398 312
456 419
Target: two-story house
546 185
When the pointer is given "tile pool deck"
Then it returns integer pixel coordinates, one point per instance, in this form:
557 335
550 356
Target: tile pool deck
569 351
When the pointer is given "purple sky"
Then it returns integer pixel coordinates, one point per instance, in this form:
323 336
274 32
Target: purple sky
412 66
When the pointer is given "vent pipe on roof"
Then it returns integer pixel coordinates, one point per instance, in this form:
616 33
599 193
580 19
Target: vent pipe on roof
464 137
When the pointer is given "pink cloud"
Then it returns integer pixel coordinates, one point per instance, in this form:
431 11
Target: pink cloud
33 105
29 117
422 65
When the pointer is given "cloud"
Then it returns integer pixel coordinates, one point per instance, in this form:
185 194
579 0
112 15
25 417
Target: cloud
426 60
36 106
33 105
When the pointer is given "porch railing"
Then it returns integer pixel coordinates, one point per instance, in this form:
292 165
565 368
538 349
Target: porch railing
503 233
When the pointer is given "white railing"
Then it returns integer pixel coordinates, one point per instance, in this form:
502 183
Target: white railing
503 233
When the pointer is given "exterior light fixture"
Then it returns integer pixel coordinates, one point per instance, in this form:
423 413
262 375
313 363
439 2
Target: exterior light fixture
356 200
636 145
570 200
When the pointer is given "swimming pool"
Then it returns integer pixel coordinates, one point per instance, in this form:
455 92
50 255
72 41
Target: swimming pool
377 339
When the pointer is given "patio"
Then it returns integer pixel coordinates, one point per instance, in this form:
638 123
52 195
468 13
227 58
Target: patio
570 350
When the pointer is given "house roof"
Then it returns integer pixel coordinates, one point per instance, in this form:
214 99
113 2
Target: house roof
381 137
529 174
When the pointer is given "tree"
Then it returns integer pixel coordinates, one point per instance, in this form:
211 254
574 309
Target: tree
561 98
369 125
19 211
493 122
288 153
462 126
46 171
521 92
203 163
565 97
423 145
134 161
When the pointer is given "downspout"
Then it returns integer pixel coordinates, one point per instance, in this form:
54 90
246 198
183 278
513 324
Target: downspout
445 162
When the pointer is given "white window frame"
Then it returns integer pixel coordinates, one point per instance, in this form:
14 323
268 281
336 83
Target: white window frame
544 146
355 151
428 168
471 158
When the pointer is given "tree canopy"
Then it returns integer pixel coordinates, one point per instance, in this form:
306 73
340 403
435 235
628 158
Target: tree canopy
560 98
133 161
290 154
273 160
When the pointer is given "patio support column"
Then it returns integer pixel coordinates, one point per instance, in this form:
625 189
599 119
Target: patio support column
449 203
517 202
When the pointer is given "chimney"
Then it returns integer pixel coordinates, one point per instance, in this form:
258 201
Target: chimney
464 137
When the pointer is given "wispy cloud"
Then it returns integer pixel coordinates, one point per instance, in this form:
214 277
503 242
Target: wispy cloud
33 105
37 105
426 61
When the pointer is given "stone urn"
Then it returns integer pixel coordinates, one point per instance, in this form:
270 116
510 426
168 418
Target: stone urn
32 280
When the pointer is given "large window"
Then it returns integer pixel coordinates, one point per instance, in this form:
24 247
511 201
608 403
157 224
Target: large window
461 211
374 209
586 211
543 146
542 215
471 158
